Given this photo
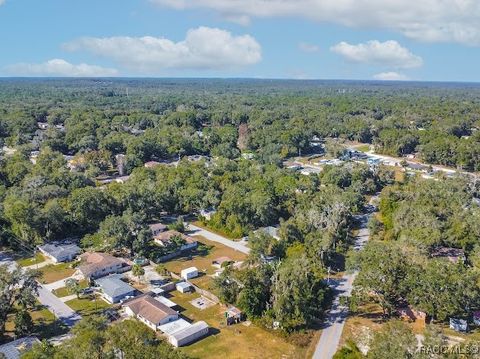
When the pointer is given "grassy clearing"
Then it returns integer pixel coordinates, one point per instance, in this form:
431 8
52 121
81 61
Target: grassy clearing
56 272
45 324
363 148
63 292
30 261
88 305
237 341
203 259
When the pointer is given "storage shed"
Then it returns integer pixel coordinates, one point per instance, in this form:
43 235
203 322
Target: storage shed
189 273
183 287
189 334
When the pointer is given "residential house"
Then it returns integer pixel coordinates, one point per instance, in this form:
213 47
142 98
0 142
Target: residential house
96 265
16 348
150 311
270 230
165 238
188 334
59 252
157 228
114 289
207 213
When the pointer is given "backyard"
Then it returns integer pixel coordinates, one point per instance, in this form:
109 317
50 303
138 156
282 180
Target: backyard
202 260
237 341
56 272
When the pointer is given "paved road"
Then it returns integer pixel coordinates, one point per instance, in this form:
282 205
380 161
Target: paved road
62 311
238 246
6 259
333 327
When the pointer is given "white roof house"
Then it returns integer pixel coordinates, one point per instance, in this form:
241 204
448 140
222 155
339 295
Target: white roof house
188 273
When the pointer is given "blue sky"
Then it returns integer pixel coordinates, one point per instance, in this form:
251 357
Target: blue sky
436 40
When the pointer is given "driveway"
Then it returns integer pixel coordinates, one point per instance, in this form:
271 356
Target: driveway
238 246
333 326
62 282
6 259
62 311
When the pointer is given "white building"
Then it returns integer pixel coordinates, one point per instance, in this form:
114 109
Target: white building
183 287
189 334
189 273
150 311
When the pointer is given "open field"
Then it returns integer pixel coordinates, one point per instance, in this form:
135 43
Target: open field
55 272
237 341
202 259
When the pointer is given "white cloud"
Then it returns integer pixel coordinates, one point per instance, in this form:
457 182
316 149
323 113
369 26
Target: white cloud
390 76
388 53
425 20
306 47
203 48
60 67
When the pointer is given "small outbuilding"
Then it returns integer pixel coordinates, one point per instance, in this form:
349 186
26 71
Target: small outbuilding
183 287
189 273
476 318
459 325
234 315
189 334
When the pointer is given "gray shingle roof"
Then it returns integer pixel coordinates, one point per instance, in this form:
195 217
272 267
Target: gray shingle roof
60 250
15 349
113 286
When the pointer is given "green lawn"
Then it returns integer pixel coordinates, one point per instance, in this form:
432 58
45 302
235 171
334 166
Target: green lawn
236 341
55 272
363 148
45 323
29 261
87 305
63 292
